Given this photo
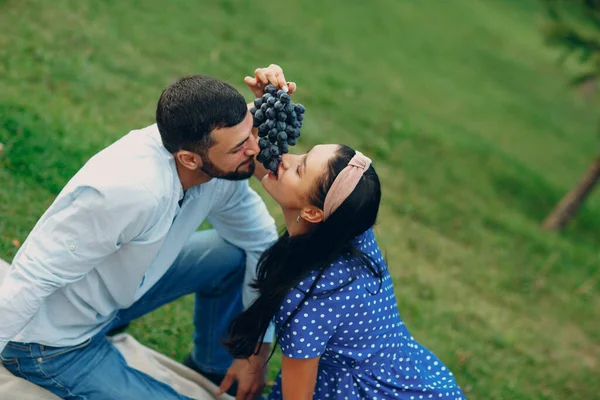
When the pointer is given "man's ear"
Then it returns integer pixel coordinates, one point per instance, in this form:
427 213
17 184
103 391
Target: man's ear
312 214
188 159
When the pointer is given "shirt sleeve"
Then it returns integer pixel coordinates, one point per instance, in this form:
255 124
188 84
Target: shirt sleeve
242 219
306 335
74 236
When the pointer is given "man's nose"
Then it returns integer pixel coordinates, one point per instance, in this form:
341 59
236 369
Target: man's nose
252 148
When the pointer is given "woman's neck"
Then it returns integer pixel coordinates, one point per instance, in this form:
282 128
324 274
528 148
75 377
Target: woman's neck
294 227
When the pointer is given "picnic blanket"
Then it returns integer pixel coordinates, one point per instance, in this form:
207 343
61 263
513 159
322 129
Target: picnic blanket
155 364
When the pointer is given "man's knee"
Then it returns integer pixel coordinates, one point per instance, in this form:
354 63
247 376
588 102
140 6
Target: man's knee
228 284
220 264
208 248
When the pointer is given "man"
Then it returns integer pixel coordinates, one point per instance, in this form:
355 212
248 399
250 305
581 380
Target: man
120 240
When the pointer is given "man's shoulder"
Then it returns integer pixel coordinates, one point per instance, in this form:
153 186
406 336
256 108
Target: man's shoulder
227 190
136 164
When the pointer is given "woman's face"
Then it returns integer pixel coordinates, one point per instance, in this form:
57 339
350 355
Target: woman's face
298 175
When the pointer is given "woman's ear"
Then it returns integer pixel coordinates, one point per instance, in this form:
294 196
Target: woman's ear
188 159
312 214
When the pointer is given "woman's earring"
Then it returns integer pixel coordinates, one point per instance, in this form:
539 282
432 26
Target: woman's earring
298 219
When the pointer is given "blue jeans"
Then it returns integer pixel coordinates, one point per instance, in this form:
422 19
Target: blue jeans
208 266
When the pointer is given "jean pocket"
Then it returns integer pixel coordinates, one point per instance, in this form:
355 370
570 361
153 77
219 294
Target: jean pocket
13 366
49 352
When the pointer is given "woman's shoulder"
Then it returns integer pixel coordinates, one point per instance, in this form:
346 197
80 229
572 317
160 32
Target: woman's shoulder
344 270
366 242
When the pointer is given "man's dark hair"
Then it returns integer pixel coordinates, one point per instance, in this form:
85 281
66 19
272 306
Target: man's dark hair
191 108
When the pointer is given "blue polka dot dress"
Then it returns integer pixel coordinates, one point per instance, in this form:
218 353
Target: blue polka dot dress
366 351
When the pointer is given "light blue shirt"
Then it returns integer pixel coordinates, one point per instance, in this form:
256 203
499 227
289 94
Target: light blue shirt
111 234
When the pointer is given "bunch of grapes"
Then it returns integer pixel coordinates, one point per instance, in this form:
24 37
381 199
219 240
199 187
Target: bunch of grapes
278 121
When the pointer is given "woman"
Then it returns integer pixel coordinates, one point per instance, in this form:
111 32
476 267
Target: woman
327 287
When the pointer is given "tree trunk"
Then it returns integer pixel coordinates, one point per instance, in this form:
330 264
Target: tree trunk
569 204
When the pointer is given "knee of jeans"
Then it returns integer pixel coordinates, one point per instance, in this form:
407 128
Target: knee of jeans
230 282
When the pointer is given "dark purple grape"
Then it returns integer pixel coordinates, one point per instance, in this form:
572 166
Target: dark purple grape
273 135
252 110
300 117
285 98
280 125
291 141
271 102
273 164
289 108
279 106
274 150
270 89
283 147
263 128
299 108
299 124
259 116
260 158
271 113
263 142
255 123
296 133
291 117
258 102
289 130
266 154
264 107
281 137
280 93
282 116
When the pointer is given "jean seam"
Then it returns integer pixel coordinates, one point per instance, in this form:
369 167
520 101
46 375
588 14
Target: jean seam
51 379
66 350
16 362
17 346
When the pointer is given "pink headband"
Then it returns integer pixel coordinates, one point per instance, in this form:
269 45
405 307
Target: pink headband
345 183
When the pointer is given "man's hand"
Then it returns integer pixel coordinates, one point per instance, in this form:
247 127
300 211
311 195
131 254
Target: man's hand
251 375
263 76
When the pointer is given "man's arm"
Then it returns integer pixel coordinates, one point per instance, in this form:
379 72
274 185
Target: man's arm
243 220
64 248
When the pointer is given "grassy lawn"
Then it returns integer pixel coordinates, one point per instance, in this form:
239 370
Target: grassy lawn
473 130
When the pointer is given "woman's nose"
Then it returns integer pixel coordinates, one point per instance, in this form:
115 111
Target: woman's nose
286 161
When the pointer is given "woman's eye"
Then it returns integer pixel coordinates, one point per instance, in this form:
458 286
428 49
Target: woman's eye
298 169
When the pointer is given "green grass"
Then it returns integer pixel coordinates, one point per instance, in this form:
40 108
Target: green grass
473 129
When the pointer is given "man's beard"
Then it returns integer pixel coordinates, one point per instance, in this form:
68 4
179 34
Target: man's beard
237 175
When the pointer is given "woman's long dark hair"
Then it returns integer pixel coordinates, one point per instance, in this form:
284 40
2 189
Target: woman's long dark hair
292 258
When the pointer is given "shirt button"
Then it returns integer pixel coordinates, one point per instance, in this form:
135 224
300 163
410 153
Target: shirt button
72 247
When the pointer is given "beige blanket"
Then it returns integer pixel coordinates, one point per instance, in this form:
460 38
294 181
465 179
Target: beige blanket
164 369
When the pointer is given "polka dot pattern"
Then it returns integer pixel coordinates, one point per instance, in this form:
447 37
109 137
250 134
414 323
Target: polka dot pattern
353 324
